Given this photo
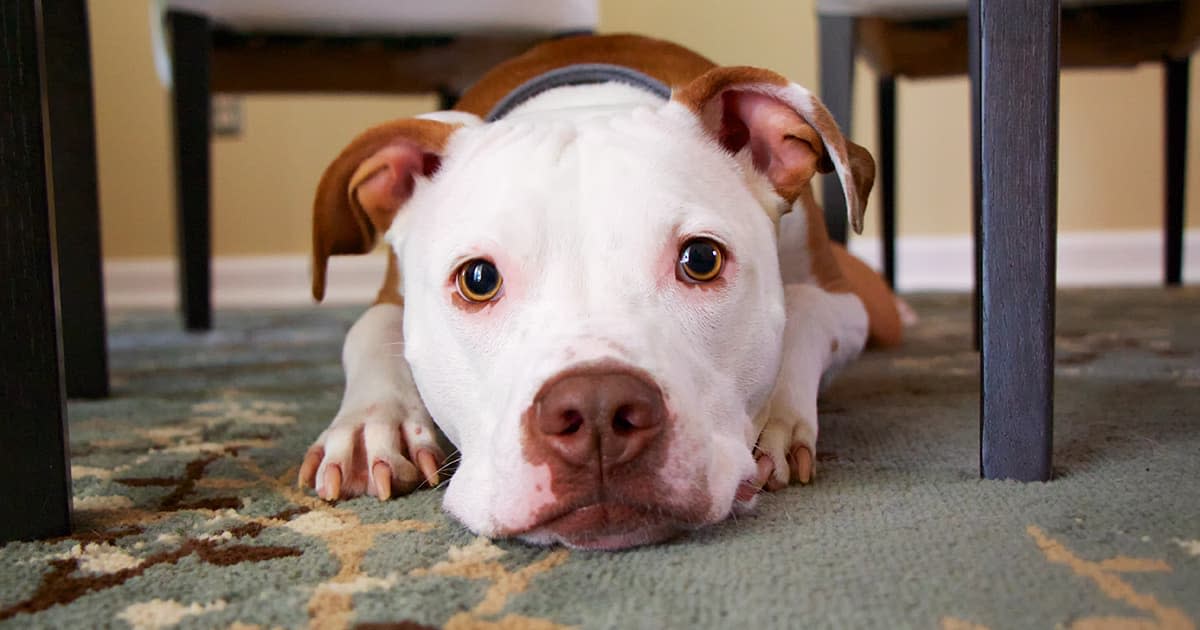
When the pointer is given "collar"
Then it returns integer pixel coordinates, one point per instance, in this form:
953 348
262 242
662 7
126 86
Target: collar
576 74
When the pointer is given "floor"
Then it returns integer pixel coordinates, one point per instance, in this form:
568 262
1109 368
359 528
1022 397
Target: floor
187 512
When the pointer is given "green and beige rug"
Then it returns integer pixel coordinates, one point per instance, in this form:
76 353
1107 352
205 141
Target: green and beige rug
187 512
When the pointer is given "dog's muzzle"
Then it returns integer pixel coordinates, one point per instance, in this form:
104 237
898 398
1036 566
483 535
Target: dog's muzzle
603 431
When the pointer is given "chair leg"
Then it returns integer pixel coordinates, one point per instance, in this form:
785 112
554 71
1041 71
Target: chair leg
76 208
447 97
973 71
1019 90
191 47
837 91
886 94
35 500
1176 147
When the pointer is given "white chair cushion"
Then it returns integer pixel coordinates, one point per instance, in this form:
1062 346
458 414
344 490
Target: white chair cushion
396 17
925 8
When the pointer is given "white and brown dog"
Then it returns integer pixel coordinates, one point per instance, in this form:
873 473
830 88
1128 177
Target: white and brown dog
597 294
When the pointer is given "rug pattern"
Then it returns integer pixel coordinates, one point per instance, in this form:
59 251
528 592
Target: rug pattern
187 513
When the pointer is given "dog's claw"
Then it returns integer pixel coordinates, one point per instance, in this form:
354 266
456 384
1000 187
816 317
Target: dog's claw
802 464
308 469
751 487
332 488
383 480
765 467
427 462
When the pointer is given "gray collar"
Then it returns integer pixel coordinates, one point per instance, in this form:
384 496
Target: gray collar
577 74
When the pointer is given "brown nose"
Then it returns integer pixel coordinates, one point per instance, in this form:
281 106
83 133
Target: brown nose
597 415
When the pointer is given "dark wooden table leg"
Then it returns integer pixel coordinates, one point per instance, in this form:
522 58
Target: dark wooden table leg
35 500
837 92
1176 95
191 58
76 206
447 97
886 94
1019 90
973 59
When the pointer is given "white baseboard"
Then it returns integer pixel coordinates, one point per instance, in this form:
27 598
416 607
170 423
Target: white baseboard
924 263
1085 259
244 281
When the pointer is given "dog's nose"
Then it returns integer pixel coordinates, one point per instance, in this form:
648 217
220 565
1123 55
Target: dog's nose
600 415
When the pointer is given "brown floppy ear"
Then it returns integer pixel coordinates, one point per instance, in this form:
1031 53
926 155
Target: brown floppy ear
790 134
363 189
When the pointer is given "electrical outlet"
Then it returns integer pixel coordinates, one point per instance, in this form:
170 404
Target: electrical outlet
226 115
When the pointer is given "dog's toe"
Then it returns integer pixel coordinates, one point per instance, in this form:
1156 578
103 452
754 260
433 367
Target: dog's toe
788 445
372 452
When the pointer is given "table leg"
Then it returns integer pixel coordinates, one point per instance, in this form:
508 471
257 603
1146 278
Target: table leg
837 92
35 500
76 205
1019 63
191 63
886 95
1176 95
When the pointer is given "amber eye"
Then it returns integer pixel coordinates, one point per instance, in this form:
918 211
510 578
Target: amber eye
479 280
701 260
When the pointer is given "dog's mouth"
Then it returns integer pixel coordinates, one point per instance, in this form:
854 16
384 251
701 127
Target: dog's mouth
606 526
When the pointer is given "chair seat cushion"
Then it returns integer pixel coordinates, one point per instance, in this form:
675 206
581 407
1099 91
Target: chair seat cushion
395 17
926 8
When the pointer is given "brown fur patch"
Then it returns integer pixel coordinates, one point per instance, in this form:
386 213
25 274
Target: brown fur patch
703 96
670 63
340 224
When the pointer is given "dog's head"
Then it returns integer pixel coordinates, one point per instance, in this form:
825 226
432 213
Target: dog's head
593 304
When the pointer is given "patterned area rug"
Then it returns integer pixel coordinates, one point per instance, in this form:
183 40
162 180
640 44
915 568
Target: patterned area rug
187 512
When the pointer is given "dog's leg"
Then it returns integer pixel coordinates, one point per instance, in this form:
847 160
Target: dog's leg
382 433
824 332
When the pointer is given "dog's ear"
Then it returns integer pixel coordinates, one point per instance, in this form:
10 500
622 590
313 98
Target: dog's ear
790 134
364 188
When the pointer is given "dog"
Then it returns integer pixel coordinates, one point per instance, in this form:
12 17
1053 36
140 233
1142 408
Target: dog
609 287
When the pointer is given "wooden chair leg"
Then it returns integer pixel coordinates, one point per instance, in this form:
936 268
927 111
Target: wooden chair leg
191 55
35 501
447 97
1019 90
1176 97
76 207
973 71
837 91
886 94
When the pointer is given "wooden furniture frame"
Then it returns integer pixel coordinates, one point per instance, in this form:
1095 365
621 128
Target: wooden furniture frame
45 69
1103 35
1010 49
1014 62
208 58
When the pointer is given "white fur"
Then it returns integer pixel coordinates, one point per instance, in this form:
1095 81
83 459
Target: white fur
582 198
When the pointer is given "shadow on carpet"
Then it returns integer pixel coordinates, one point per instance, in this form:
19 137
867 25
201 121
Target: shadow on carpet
187 513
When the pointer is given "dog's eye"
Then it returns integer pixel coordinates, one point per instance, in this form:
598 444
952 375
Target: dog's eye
479 280
701 260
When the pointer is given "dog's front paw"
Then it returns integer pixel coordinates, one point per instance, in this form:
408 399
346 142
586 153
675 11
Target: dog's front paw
786 450
380 450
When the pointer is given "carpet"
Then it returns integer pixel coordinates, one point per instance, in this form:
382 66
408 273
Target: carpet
187 513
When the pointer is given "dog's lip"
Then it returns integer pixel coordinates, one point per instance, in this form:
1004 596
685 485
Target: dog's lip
609 525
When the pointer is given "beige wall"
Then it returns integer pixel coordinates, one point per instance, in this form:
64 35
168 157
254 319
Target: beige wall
1110 163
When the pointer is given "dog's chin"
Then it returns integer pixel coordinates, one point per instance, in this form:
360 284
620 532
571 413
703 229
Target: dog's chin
604 527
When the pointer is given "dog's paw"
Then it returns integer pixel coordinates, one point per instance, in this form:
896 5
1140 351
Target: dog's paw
380 450
786 451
